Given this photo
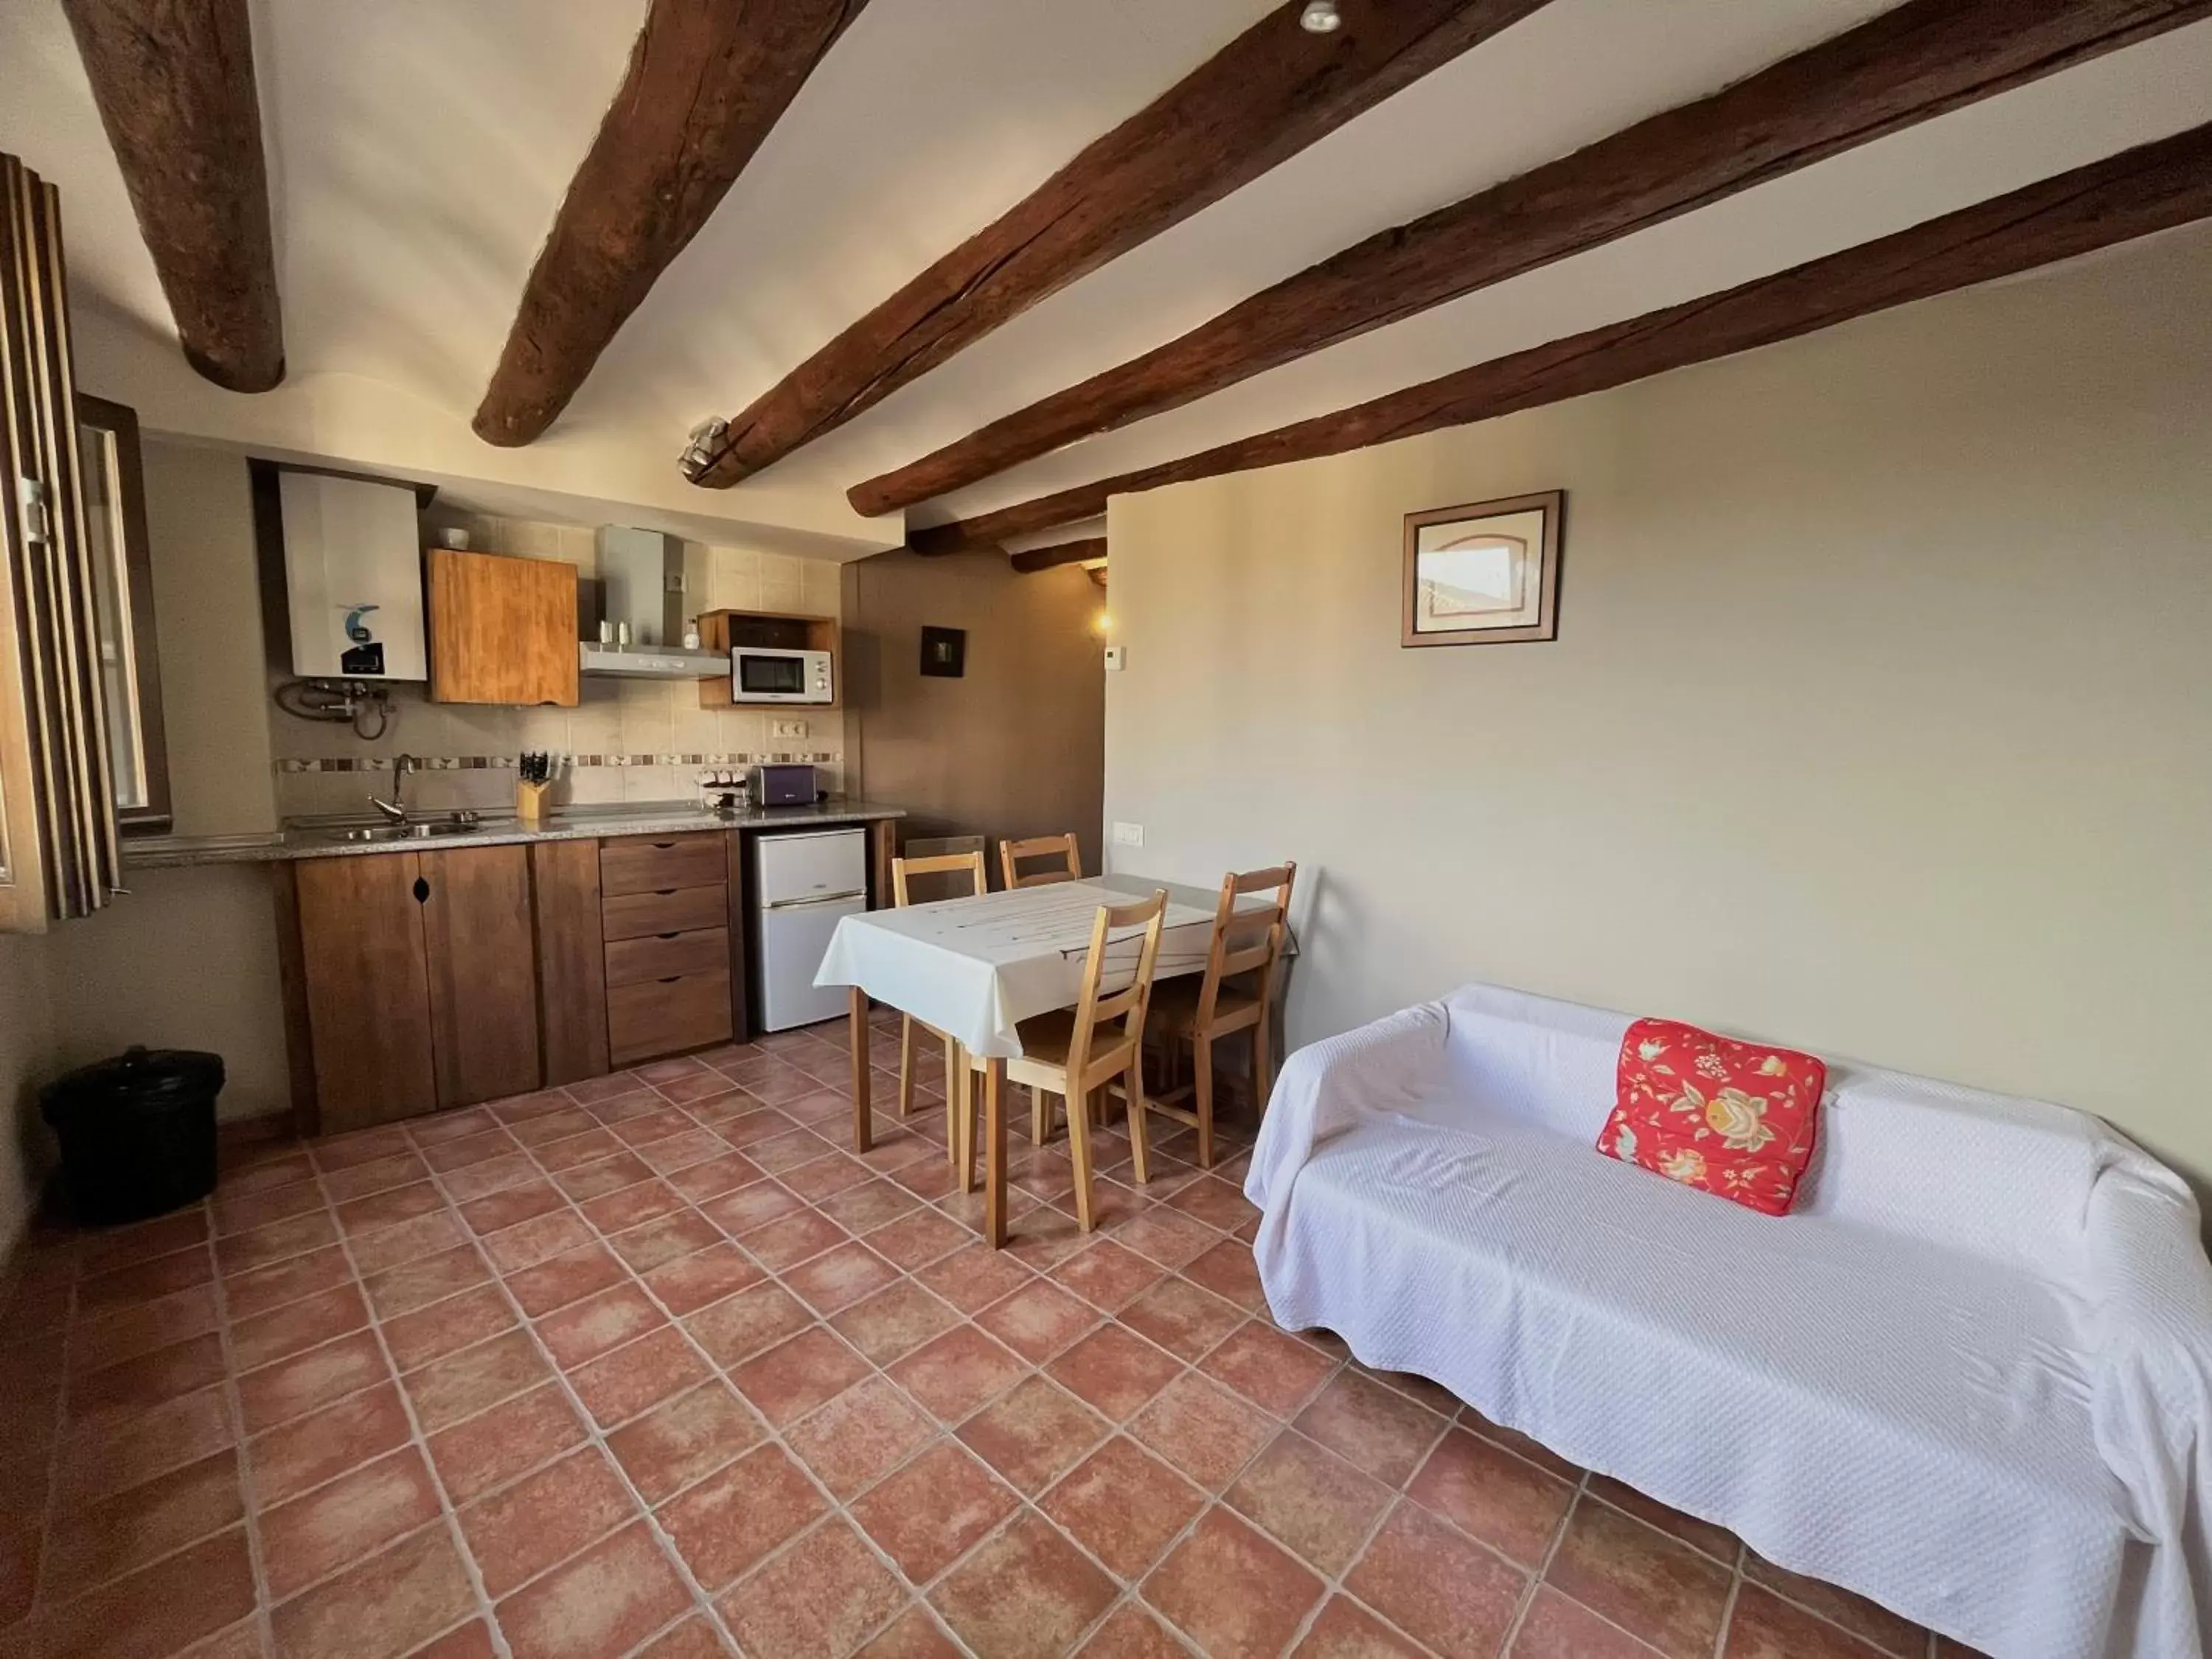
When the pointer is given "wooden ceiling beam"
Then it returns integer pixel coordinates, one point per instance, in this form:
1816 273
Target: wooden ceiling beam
1051 558
1260 101
174 82
2151 188
1901 67
708 80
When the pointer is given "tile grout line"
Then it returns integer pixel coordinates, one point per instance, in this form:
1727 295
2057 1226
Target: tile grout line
419 1441
944 1433
595 1436
49 1516
264 1604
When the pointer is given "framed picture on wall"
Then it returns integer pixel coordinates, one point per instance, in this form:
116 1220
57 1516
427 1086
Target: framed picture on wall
945 653
1484 574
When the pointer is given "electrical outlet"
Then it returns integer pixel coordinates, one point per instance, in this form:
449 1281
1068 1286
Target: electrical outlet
1116 658
1128 835
789 729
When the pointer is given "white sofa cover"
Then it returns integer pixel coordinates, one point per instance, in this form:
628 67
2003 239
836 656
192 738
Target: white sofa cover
1969 1375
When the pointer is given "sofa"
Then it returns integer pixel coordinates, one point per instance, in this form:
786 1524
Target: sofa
1968 1375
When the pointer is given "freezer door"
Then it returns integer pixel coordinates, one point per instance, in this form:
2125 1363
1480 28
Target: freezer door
799 867
793 942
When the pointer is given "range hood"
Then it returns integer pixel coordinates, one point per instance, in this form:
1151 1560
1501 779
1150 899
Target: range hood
642 583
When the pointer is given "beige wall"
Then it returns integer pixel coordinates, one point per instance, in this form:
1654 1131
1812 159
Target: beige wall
1014 747
188 961
26 1060
1880 719
207 615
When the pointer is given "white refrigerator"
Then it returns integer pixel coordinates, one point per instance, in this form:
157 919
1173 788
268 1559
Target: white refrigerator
803 884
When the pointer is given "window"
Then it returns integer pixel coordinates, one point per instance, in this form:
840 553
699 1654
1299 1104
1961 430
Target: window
115 548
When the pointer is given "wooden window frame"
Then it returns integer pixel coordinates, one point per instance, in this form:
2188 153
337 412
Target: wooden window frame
120 422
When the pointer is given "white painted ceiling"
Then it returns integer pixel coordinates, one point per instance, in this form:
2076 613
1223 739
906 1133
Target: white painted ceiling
418 149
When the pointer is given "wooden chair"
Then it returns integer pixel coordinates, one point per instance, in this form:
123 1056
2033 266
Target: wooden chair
1201 1010
955 1074
1011 853
1080 1053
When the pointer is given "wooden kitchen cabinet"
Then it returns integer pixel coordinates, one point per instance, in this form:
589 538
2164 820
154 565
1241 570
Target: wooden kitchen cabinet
502 629
418 982
367 981
665 913
478 944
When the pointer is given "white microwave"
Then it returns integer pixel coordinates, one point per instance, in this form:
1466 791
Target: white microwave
762 674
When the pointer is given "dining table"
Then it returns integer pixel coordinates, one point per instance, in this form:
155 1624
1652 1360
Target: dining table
974 969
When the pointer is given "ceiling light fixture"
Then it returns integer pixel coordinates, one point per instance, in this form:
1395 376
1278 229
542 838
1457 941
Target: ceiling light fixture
1320 17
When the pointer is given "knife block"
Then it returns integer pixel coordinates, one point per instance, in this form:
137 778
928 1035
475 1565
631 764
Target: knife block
530 801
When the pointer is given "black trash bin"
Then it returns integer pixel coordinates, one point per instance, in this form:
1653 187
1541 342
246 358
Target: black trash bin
137 1132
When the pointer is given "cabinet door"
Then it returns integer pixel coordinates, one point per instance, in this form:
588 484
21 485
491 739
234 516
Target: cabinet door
572 984
502 629
367 993
483 973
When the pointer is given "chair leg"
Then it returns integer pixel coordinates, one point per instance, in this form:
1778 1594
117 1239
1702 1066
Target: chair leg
1079 1151
1140 1155
906 1065
1040 1122
1202 1076
1263 1068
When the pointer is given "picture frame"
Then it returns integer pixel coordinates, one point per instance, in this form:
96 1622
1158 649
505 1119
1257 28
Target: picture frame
945 653
1484 573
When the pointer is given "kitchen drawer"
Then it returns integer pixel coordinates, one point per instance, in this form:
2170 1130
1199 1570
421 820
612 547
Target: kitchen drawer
661 956
666 1016
644 864
639 915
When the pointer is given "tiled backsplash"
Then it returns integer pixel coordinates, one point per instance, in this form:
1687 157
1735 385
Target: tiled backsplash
628 740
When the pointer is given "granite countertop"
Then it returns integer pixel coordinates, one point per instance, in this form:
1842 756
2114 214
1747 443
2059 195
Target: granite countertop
321 840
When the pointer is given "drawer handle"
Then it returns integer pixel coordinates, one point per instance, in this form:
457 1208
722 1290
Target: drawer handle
668 936
671 979
664 892
663 846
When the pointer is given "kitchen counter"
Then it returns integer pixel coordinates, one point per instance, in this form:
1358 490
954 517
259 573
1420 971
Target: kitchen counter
305 841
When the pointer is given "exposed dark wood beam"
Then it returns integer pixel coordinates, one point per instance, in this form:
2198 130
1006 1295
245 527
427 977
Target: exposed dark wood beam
173 79
1264 97
708 80
1051 558
1901 67
2133 194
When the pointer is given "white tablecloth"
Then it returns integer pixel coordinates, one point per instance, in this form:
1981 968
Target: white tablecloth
974 967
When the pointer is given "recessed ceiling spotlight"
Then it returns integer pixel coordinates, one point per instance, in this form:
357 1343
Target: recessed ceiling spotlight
1320 17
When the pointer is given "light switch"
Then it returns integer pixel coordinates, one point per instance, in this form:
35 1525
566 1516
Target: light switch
1128 835
789 729
1115 657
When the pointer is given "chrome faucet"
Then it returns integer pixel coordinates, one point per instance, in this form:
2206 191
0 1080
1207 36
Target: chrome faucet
395 809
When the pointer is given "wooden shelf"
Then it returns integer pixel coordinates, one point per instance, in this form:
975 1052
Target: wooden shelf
780 631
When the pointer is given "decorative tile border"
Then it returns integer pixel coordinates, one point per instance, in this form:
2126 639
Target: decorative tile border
292 766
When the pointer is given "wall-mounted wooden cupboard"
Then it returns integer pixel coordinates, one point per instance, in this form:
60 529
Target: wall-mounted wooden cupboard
502 629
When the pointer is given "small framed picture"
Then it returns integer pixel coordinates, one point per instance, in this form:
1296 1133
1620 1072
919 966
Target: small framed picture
944 652
1484 574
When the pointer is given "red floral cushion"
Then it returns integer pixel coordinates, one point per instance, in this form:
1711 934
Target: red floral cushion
1729 1118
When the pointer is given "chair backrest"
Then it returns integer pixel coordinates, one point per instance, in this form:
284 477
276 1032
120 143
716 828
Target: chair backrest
1011 853
1248 939
944 864
1125 1008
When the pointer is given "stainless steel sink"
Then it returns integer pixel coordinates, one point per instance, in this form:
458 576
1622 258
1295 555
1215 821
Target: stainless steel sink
427 830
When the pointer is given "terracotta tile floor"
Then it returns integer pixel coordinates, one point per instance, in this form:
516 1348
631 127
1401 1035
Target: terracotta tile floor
653 1365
